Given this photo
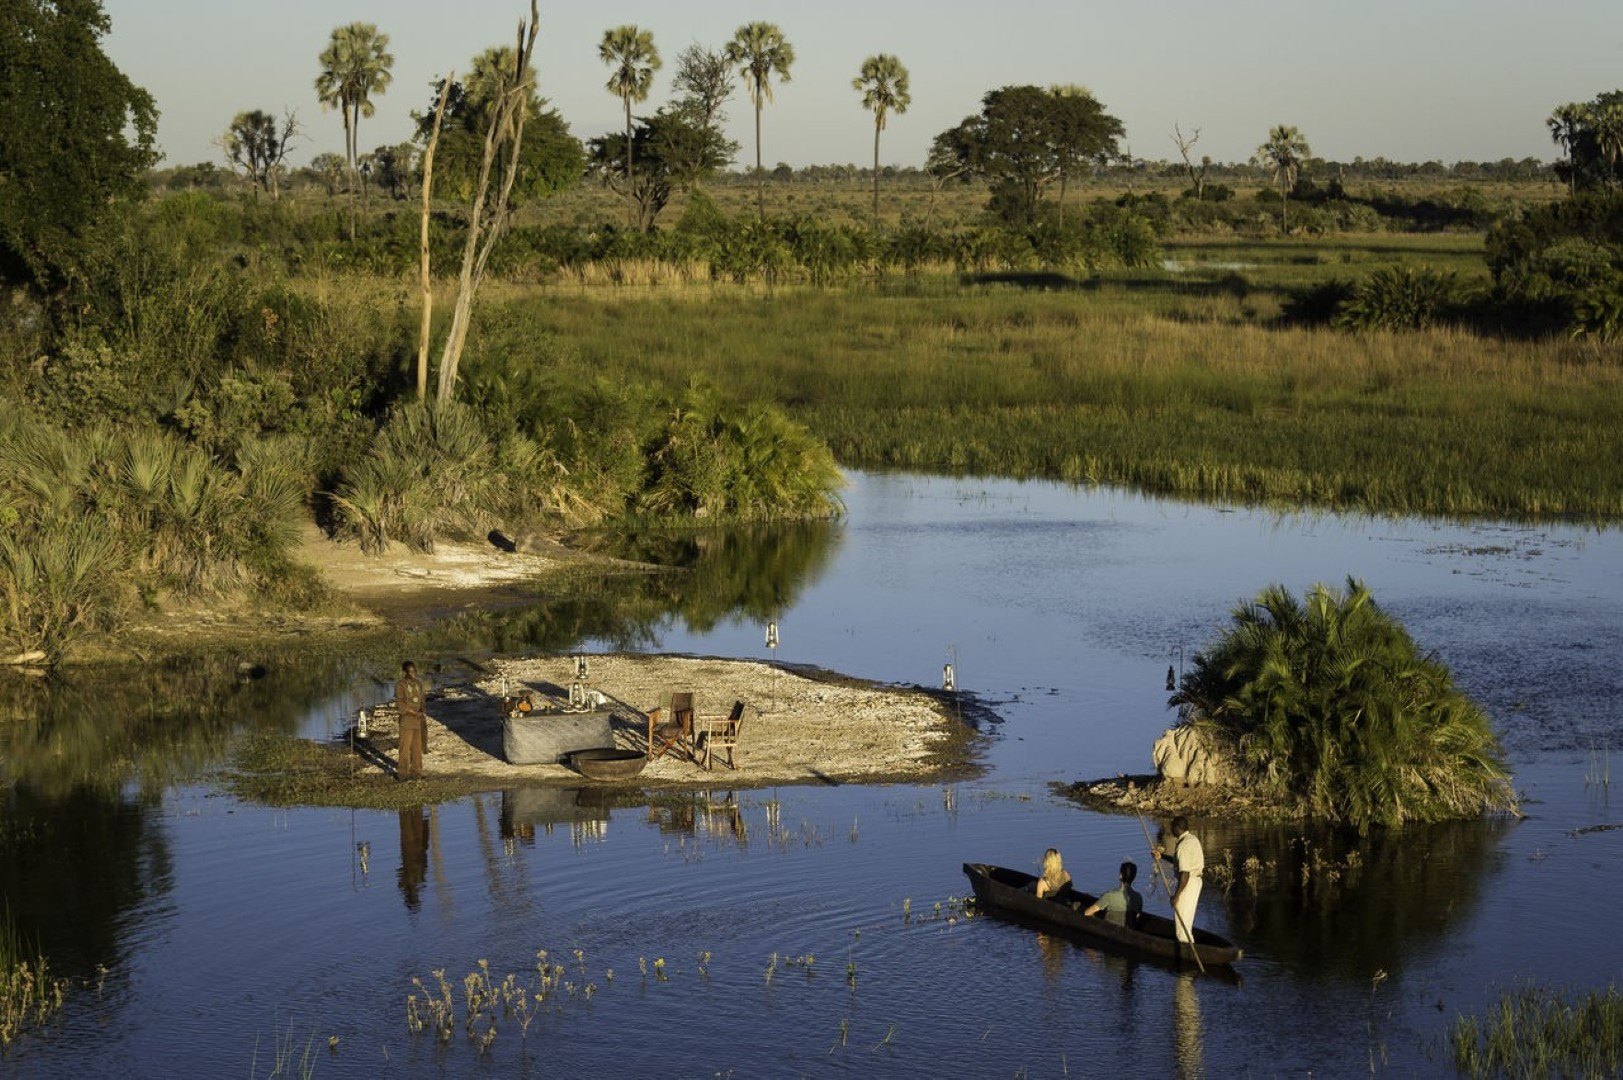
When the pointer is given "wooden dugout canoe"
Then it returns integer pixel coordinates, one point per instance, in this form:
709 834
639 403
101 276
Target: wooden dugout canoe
1001 889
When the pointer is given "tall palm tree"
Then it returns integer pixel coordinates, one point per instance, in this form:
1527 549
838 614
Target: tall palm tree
1607 123
355 65
1284 153
884 85
760 51
632 59
1566 126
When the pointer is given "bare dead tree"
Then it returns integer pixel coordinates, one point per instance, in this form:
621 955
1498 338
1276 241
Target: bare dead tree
489 211
1197 175
428 280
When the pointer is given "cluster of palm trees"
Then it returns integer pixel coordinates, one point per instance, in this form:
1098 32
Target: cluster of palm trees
356 65
761 54
1591 135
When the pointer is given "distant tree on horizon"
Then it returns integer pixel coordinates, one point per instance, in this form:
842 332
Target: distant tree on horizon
1591 134
760 51
632 58
1023 139
1284 153
355 65
257 145
885 89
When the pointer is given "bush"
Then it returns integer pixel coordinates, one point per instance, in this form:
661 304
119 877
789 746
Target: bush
1399 298
1330 704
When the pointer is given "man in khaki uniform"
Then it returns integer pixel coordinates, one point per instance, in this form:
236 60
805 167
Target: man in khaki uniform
408 701
1188 864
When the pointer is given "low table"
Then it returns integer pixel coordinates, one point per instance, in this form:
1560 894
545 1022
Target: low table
544 738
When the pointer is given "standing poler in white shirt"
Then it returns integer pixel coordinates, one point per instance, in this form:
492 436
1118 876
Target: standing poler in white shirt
1188 863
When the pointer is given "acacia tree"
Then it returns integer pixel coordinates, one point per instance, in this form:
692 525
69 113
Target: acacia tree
676 151
355 65
632 58
75 135
760 51
1080 132
884 85
704 81
1023 139
1284 153
258 146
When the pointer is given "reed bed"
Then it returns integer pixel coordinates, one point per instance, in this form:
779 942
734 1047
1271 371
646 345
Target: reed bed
29 993
1165 383
1537 1031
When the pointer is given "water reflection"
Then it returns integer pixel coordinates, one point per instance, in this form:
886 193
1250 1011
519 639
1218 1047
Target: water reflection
84 761
714 575
1329 901
413 855
584 810
1188 1033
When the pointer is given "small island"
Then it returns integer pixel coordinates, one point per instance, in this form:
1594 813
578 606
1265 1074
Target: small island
1322 708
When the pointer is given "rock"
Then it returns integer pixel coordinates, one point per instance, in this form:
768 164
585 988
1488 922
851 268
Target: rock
1187 755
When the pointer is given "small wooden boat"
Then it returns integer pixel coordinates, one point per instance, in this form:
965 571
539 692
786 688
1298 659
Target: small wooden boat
608 763
1003 890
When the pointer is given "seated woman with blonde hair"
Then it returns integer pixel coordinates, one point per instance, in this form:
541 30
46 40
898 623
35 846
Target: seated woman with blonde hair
1054 876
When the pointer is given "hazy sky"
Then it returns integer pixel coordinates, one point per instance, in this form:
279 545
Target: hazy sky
1407 79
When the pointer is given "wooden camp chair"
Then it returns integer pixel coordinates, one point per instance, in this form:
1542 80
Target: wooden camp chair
670 728
720 734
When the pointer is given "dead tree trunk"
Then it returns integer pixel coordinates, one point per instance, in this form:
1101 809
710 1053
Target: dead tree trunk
428 280
488 213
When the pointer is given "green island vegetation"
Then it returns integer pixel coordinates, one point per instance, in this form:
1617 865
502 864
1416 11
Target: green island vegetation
1327 702
1538 1031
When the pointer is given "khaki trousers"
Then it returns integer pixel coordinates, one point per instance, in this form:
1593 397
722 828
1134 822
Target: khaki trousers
413 734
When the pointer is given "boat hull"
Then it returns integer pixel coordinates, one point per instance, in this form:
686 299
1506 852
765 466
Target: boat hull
1000 889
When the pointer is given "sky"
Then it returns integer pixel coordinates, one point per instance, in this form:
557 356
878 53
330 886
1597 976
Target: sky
1410 80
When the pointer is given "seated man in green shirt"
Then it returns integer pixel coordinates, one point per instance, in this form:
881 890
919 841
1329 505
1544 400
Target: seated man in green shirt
1121 905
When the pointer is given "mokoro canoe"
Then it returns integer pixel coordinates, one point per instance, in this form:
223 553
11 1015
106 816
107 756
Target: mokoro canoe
997 888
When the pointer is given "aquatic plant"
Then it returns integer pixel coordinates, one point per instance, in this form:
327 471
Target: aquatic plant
1539 1031
1329 702
29 993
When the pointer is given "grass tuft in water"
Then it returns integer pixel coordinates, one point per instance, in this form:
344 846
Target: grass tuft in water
1539 1031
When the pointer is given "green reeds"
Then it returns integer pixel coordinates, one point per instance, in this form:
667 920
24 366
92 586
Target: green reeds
1538 1031
29 994
1168 384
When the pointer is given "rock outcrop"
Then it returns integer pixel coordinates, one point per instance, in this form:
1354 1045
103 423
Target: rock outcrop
1189 756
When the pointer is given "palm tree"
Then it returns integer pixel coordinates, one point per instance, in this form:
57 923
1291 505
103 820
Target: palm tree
1607 123
355 65
884 85
1566 126
760 51
632 61
1284 152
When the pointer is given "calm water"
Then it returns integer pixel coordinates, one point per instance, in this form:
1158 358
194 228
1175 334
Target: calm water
231 934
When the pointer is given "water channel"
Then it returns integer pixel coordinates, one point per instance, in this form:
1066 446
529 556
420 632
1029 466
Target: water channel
817 929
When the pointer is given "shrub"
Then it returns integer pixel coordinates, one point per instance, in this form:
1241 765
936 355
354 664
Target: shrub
1399 298
1317 304
1329 703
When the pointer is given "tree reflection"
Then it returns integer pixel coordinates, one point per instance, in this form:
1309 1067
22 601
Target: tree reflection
84 761
709 576
1323 900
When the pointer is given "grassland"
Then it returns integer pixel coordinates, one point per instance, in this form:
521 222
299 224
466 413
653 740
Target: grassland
1180 380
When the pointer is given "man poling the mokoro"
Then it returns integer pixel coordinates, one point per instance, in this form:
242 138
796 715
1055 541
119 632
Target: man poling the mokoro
1188 863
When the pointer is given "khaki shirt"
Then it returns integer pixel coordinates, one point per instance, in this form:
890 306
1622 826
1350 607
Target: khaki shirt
408 695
